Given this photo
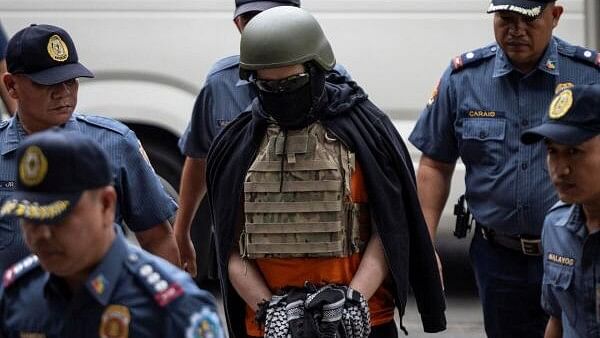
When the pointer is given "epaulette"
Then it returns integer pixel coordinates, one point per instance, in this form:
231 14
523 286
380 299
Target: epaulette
472 57
4 124
559 205
20 269
585 55
104 123
225 63
154 280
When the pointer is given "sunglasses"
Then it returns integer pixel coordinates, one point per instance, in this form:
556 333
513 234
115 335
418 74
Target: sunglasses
289 84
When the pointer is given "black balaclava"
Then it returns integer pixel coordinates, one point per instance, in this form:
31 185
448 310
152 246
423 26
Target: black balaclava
299 108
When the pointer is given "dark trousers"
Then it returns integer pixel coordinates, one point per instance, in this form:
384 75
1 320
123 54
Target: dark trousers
387 330
509 284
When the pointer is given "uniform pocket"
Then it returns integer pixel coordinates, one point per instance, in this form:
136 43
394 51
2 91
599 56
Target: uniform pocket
483 141
561 279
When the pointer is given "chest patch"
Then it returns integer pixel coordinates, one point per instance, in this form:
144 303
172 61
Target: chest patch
562 260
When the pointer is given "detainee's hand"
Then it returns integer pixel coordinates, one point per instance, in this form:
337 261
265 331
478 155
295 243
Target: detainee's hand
439 264
187 253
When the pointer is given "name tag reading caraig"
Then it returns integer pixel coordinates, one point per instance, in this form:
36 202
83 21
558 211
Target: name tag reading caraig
481 113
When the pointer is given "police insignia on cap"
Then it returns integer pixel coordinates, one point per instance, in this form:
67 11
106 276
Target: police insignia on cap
33 166
57 49
115 322
561 104
204 324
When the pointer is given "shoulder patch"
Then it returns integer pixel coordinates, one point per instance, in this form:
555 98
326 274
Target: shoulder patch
472 57
19 270
225 63
581 54
154 280
104 123
559 205
204 323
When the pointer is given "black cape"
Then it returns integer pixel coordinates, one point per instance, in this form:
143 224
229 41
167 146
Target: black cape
389 179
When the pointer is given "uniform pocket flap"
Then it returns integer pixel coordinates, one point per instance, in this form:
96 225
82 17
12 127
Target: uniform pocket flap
484 129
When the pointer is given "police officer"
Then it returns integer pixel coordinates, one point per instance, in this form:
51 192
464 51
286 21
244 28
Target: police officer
43 70
482 103
223 97
84 279
571 236
327 192
9 102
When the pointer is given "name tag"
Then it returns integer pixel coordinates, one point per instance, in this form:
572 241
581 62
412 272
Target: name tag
7 185
552 257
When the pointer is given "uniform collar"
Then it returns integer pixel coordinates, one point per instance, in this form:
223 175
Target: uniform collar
242 83
16 133
103 280
548 63
573 220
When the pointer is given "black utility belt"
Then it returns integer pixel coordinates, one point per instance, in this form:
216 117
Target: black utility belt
526 244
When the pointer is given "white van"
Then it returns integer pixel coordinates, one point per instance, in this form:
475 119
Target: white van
151 56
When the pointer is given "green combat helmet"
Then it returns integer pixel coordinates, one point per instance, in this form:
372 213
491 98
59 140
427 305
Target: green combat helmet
283 36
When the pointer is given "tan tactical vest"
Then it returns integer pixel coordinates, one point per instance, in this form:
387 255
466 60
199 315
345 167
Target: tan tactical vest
297 197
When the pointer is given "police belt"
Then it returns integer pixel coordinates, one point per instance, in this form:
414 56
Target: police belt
526 244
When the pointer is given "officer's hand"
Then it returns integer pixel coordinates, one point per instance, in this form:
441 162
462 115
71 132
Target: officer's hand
187 253
439 264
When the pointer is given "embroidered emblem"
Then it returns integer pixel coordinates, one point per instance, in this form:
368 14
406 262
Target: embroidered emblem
550 64
33 167
168 295
57 49
434 93
561 104
115 322
562 86
567 261
99 284
204 324
34 210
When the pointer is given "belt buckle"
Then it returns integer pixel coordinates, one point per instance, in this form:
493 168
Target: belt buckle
531 247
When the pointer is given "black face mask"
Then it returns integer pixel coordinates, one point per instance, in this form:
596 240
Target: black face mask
295 109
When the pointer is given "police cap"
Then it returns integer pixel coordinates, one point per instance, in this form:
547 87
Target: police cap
45 54
245 6
531 8
573 117
54 168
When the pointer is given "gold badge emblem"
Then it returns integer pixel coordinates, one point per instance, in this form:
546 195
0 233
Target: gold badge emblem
115 322
33 166
562 86
57 49
561 104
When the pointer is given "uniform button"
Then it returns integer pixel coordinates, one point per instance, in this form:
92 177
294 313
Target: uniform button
524 166
493 49
525 122
470 55
587 54
133 257
482 135
161 286
146 270
153 278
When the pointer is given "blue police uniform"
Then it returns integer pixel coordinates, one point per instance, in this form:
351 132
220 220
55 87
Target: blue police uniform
131 293
142 201
223 97
478 111
571 286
